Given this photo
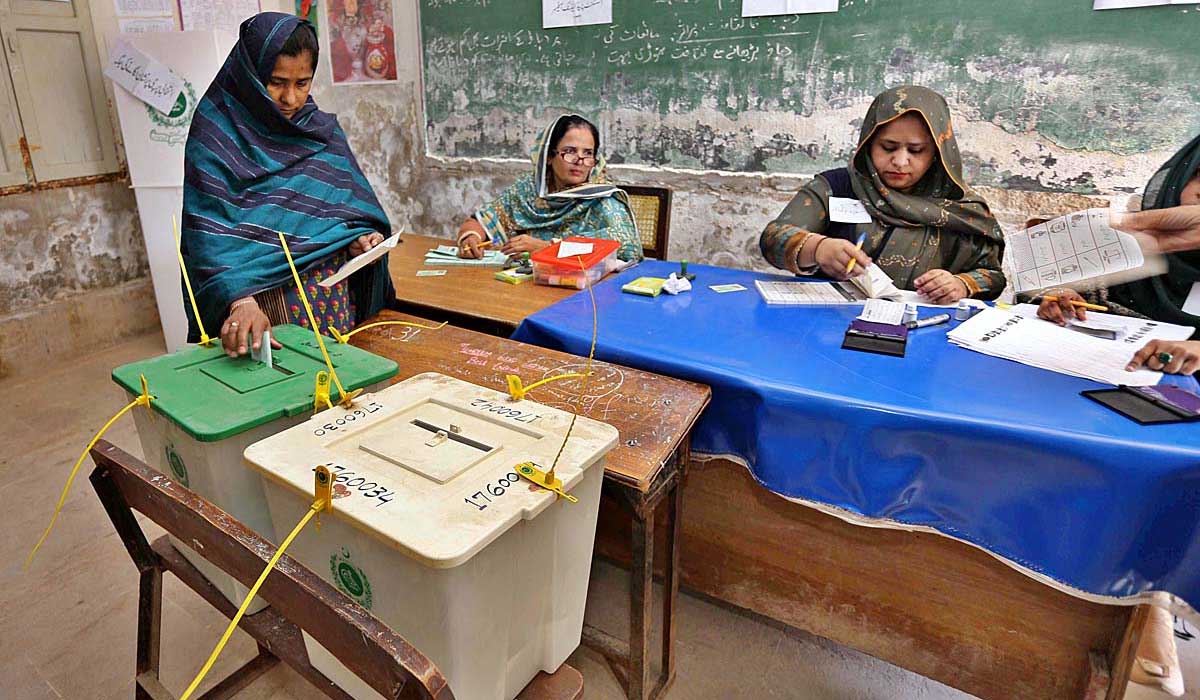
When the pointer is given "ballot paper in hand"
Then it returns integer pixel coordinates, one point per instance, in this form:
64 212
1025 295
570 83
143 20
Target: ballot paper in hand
358 262
1038 343
1074 248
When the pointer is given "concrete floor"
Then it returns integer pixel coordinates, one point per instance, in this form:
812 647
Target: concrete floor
67 626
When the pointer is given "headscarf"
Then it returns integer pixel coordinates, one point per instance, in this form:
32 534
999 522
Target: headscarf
1162 297
597 208
941 199
250 172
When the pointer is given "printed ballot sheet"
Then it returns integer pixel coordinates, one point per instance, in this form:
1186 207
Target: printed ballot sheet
1038 343
793 293
574 13
1069 249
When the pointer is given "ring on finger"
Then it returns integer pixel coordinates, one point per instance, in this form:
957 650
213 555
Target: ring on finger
233 324
1165 358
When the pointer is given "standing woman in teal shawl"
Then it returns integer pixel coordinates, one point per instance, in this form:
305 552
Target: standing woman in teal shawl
567 194
262 159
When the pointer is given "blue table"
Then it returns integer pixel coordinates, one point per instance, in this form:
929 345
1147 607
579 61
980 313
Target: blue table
1004 456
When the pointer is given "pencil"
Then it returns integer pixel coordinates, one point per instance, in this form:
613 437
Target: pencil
483 245
1080 304
862 238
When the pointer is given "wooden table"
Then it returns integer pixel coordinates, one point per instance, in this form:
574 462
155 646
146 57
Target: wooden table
654 416
468 297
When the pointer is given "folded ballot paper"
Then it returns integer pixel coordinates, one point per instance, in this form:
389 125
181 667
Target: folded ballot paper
1038 343
360 261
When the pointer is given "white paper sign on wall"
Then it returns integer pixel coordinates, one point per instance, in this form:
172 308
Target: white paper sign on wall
144 78
575 13
765 8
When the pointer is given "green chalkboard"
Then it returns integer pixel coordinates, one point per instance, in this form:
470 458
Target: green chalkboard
690 83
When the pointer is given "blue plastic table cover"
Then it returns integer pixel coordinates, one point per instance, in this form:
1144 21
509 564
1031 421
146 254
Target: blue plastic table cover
992 452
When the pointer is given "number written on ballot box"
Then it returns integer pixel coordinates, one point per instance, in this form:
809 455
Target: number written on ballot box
491 491
351 483
505 411
350 418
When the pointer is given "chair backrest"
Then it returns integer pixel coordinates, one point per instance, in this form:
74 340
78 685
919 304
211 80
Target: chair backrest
372 651
652 212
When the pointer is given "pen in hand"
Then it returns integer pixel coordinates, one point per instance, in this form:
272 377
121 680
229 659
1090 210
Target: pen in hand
862 238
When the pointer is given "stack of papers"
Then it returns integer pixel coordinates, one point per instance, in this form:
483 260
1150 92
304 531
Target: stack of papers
1038 343
448 255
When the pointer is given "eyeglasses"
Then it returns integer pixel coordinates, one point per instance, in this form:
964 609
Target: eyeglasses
572 157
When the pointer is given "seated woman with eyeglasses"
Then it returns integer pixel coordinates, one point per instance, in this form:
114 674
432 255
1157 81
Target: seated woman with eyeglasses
567 194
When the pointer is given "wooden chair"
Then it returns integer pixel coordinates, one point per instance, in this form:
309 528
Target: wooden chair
299 598
652 212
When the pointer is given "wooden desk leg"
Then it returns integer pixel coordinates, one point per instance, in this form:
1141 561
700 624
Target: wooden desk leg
630 661
671 582
641 596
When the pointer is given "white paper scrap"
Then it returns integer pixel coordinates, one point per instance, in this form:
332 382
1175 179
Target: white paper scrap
844 210
144 78
575 13
568 249
765 8
883 311
360 261
1191 305
1122 4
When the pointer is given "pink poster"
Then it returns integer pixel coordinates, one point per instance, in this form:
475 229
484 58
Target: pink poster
362 45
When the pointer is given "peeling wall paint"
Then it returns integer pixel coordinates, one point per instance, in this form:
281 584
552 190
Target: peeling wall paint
55 243
58 242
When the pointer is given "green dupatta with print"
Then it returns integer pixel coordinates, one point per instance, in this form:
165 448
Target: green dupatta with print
595 209
940 223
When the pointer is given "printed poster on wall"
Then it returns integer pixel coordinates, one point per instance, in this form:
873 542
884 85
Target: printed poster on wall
218 15
362 45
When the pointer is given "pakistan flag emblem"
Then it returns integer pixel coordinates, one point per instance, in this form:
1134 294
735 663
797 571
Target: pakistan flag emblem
350 579
175 462
172 127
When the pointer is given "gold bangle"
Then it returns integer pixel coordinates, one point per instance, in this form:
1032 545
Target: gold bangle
800 250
